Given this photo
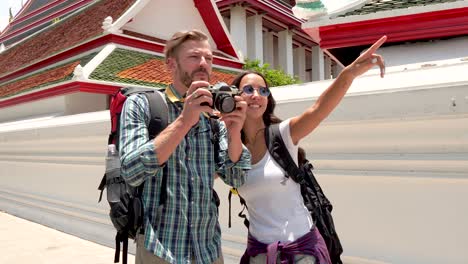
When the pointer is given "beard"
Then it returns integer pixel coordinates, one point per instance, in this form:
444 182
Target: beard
187 78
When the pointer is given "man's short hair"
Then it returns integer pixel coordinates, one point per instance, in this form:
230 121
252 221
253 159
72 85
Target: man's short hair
179 38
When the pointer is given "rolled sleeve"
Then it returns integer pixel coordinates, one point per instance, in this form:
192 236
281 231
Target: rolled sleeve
137 154
232 173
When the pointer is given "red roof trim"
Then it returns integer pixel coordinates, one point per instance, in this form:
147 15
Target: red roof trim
103 40
45 19
209 16
136 43
59 90
98 88
62 89
227 63
451 22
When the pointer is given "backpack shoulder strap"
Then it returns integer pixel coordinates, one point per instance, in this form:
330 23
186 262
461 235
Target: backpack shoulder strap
280 153
243 204
159 112
215 130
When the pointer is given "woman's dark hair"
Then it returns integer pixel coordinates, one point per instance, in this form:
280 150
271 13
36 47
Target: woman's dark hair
269 116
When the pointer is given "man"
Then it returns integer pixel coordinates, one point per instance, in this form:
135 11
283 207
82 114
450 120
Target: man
185 228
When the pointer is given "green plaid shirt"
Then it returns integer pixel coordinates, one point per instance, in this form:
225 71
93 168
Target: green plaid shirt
187 224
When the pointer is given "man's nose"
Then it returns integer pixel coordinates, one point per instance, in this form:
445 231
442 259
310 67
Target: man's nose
203 61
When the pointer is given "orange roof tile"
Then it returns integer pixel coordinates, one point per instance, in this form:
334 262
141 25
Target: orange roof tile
135 67
155 71
61 73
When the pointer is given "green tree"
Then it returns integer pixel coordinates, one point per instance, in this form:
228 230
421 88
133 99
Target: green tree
273 77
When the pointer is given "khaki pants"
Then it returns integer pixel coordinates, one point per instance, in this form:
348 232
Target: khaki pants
143 256
298 259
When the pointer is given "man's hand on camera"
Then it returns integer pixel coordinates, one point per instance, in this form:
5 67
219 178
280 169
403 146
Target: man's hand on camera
196 95
235 120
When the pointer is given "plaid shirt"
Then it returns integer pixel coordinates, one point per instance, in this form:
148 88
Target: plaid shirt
187 224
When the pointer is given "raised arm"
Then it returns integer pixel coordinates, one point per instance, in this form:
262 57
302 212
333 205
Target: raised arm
305 123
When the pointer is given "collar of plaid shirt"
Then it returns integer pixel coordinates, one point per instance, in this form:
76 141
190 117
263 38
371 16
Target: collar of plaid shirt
173 95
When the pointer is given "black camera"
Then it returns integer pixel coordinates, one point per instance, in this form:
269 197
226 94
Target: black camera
223 97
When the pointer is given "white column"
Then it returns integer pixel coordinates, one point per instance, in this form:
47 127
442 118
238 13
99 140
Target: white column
336 69
327 70
317 64
275 53
285 51
255 38
239 29
300 63
227 22
268 49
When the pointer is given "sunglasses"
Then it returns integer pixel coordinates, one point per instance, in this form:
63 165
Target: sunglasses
263 91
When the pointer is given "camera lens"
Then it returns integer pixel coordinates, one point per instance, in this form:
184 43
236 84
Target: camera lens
225 103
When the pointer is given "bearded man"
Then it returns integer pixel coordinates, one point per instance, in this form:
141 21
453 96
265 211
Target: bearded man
185 228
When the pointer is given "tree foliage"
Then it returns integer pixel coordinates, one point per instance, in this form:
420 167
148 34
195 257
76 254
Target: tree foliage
274 77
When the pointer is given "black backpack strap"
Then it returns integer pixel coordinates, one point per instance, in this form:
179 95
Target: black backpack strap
101 187
125 251
280 153
117 249
159 113
310 190
121 238
214 124
243 204
229 199
241 213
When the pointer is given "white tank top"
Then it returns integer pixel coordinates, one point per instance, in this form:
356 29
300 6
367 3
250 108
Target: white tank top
275 205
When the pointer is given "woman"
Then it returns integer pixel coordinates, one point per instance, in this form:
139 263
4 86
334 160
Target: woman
276 209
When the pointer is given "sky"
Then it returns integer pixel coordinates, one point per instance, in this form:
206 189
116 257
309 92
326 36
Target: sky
4 14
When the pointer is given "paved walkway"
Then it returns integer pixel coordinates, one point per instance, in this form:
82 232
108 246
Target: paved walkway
22 241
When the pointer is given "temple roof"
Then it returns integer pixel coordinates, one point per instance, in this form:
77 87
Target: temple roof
347 32
374 6
121 67
37 15
80 53
70 32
